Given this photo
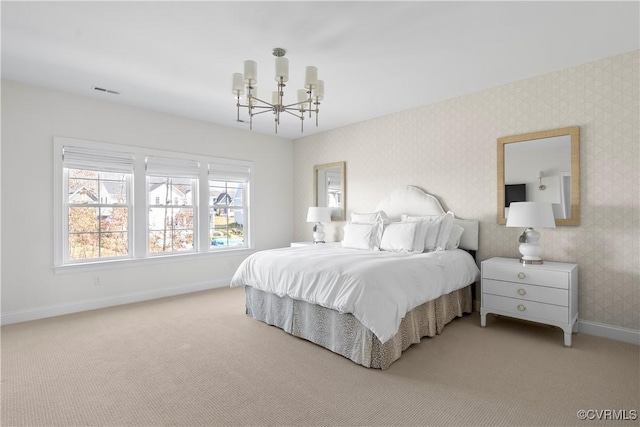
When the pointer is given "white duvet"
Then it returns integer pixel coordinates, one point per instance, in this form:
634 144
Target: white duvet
378 287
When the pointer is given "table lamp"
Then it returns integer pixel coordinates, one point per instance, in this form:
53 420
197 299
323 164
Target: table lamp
318 215
530 215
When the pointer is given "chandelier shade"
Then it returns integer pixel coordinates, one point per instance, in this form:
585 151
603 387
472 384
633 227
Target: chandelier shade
307 100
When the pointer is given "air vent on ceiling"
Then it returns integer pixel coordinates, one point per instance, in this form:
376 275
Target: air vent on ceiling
101 89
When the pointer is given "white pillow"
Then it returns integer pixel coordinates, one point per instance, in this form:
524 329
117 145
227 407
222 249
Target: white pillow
454 237
379 218
445 230
368 218
421 234
359 236
399 236
439 228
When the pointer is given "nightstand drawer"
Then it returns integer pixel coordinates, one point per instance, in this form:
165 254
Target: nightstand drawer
526 292
520 274
535 310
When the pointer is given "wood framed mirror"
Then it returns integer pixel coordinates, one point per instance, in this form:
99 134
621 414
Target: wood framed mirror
329 188
541 167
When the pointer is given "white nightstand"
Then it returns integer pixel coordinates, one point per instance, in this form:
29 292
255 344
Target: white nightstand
300 244
545 293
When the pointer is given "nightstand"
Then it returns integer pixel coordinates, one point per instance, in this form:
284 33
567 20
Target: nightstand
300 244
545 293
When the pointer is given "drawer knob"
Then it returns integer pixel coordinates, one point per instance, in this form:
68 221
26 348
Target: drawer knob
521 275
521 307
522 292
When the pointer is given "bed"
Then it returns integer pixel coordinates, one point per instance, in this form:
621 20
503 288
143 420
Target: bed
369 304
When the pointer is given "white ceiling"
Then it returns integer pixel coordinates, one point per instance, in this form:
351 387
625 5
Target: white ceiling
376 58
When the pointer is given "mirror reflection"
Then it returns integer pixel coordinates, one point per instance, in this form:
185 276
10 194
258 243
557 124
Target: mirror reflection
540 167
329 188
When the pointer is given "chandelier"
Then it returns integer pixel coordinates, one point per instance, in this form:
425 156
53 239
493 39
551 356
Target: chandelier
308 99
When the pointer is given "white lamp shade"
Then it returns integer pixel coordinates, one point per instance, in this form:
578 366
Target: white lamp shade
250 72
238 84
531 215
302 95
310 77
282 69
319 91
319 214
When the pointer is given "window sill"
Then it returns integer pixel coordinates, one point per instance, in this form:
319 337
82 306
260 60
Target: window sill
140 262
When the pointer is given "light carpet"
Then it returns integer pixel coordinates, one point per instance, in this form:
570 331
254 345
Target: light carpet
198 360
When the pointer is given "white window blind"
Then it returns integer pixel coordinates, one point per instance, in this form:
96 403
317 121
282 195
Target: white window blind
165 166
227 172
100 160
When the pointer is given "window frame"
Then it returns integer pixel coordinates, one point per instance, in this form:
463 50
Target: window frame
193 206
65 218
228 173
139 204
243 207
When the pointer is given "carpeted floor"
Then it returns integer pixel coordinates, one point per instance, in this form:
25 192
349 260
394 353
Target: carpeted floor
198 360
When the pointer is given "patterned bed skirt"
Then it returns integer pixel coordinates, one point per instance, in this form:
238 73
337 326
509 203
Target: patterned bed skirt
345 335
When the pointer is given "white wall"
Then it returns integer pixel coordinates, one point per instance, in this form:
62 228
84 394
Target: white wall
32 116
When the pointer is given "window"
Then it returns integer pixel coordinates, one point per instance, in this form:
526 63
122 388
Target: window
96 204
228 209
171 224
98 214
124 203
171 184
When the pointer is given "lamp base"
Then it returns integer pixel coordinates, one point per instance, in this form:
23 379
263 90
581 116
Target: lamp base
531 261
530 249
318 233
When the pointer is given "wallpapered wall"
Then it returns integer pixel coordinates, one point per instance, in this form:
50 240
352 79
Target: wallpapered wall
449 150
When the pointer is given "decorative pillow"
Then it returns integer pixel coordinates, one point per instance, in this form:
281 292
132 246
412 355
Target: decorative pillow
399 236
454 237
379 218
421 234
368 218
359 236
445 230
439 228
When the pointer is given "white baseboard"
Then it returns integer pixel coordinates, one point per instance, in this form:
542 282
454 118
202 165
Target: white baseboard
76 307
608 331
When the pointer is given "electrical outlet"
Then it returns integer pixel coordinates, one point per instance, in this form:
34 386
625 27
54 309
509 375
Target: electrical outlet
97 281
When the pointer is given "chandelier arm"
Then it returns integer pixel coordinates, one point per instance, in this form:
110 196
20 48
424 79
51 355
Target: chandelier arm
261 112
262 107
296 104
264 102
294 114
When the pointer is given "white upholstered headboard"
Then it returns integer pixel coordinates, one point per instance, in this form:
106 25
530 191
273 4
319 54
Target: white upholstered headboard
412 200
